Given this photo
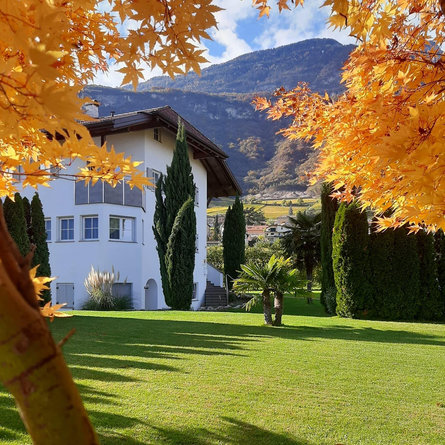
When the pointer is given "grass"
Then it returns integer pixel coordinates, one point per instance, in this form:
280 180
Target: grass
224 378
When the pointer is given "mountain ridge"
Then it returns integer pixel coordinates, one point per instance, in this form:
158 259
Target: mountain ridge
219 104
263 71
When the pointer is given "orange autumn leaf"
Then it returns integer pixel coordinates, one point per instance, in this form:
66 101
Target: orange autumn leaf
382 141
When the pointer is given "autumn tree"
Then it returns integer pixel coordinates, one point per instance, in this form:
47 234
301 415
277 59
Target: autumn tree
49 51
382 140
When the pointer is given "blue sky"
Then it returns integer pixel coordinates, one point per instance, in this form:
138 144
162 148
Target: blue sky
240 31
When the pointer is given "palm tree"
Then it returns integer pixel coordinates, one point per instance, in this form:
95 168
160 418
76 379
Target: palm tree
267 278
286 280
303 242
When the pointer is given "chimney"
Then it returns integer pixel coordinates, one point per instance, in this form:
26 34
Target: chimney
92 109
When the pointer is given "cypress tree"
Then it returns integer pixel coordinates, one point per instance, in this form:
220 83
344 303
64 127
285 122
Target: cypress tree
27 213
178 275
234 240
404 303
178 187
431 304
161 236
38 238
329 207
15 220
439 242
216 226
381 257
350 261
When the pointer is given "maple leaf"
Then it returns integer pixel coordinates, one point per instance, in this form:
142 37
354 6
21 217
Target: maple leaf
39 282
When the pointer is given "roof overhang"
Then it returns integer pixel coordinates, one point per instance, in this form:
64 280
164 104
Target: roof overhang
220 180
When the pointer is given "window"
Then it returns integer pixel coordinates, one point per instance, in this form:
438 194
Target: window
157 134
153 175
121 228
66 229
195 291
90 227
196 243
196 196
48 229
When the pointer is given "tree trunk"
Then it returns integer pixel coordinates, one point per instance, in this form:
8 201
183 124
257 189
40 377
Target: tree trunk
278 306
309 276
267 307
32 366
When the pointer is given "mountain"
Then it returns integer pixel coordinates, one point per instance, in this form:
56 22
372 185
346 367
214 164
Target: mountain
219 104
317 61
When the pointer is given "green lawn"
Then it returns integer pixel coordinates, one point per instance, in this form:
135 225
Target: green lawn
224 378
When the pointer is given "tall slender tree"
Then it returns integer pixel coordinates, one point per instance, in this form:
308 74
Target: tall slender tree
37 233
27 213
16 223
161 235
431 303
384 280
404 302
329 207
216 227
176 248
234 240
350 261
439 244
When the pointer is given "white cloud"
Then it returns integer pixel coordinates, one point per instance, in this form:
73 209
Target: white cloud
302 23
226 34
288 27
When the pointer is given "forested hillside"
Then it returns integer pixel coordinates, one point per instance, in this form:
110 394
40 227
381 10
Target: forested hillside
219 104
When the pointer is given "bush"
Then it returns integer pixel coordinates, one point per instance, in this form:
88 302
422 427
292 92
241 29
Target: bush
118 304
215 257
99 286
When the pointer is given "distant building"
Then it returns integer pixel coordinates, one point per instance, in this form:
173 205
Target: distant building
253 232
276 231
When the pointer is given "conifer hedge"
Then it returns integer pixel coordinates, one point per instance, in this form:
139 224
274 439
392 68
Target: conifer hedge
350 261
431 303
381 257
328 209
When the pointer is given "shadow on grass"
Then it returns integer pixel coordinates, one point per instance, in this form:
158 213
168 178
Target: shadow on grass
104 345
233 432
11 426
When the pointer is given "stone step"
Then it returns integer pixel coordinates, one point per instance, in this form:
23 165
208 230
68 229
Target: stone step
215 295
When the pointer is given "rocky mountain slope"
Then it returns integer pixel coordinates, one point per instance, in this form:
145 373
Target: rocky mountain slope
219 105
317 61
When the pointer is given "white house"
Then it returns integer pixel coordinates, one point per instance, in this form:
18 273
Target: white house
109 227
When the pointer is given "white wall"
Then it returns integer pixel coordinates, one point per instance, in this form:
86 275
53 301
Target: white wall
136 261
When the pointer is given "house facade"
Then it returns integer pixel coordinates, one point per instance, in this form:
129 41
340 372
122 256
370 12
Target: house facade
111 228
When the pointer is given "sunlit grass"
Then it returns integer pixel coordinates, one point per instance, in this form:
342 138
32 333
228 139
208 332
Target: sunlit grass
224 378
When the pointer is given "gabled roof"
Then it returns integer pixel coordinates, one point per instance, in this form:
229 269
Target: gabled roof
220 180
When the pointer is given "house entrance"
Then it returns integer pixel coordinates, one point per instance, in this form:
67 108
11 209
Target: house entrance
151 295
